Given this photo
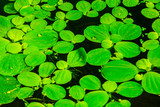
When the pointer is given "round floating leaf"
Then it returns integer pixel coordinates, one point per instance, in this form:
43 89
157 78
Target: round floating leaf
154 1
48 7
130 89
30 49
119 12
42 39
35 104
130 31
11 64
62 76
46 69
77 58
62 64
25 92
109 86
115 26
152 35
46 81
130 3
83 6
128 20
59 25
157 6
90 82
54 92
66 35
42 14
65 102
52 2
78 38
81 104
3 43
156 25
18 4
115 38
38 24
92 13
107 18
26 10
35 58
34 2
29 79
98 57
15 34
112 3
5 25
60 15
150 13
127 49
96 33
14 48
114 104
154 56
107 44
119 71
67 6
96 98
150 44
29 18
144 64
151 82
74 15
9 88
98 5
9 8
18 20
125 103
63 47
77 92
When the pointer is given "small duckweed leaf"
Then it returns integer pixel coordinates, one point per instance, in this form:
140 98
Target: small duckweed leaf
67 6
112 3
74 15
83 6
107 18
150 13
25 92
14 48
119 12
65 102
130 3
38 24
98 5
59 25
150 44
66 35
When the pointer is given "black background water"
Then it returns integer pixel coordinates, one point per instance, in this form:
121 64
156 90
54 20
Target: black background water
145 100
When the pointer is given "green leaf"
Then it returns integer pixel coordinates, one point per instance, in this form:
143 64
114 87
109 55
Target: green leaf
90 82
3 43
9 88
96 98
18 20
48 7
130 89
11 64
127 49
26 10
74 15
96 33
116 38
150 44
66 35
83 6
30 49
42 14
81 104
98 5
63 47
5 25
92 13
61 64
77 58
151 82
130 3
54 92
130 31
29 18
67 6
52 2
60 15
109 86
119 71
46 69
18 4
29 79
9 8
34 2
114 104
120 12
78 38
125 103
144 64
152 35
112 3
155 25
14 48
154 56
107 18
35 104
25 92
62 76
65 102
115 26
98 57
59 25
154 1
149 13
42 39
38 24
15 34
77 92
